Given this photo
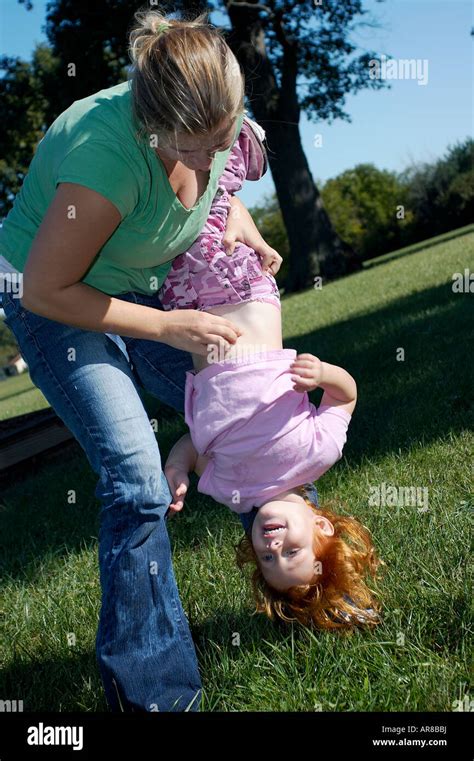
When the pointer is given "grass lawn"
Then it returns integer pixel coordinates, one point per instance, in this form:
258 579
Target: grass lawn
412 427
18 395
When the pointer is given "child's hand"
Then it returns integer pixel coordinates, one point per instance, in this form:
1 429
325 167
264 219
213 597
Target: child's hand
308 372
270 259
241 227
178 482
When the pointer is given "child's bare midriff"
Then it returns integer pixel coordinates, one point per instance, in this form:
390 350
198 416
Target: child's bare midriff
260 323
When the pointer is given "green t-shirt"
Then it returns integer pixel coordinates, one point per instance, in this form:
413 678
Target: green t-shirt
95 143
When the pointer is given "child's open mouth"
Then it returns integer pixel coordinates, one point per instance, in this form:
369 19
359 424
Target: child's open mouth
272 528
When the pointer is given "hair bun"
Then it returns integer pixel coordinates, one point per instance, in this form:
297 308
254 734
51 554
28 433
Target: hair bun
157 26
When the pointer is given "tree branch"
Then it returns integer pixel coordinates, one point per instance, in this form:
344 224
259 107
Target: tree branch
254 6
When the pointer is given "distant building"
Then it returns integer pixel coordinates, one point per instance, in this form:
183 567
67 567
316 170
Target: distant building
15 366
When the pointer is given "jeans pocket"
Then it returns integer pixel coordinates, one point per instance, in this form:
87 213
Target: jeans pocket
12 308
32 321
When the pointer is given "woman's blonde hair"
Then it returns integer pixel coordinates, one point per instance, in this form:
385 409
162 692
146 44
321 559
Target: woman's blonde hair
337 597
184 77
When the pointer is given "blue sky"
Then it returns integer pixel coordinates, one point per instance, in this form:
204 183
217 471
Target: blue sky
392 128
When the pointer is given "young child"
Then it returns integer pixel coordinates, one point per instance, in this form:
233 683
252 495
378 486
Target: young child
255 440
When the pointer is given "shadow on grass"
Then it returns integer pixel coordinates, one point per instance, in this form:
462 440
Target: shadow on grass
55 684
401 403
65 684
421 399
422 245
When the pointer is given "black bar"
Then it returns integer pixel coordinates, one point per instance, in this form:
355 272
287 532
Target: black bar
426 735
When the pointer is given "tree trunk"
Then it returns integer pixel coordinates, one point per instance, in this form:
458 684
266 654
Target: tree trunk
316 249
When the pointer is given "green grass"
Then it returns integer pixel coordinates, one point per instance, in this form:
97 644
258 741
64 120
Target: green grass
18 395
412 427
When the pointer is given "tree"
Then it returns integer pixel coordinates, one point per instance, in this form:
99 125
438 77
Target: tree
296 56
363 204
24 117
285 46
441 195
269 221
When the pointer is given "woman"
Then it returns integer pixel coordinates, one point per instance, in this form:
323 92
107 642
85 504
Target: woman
122 183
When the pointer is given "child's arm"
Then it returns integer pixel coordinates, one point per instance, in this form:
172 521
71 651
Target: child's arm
340 389
182 459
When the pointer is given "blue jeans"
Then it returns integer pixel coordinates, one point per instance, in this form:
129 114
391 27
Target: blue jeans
144 647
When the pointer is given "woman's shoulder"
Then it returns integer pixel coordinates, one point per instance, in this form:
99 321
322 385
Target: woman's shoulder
102 115
94 143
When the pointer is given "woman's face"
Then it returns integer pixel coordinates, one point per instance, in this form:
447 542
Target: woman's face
198 152
282 537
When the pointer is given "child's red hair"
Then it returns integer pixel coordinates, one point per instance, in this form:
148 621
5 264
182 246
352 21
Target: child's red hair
336 598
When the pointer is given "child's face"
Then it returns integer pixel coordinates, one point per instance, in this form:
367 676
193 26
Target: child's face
285 555
198 152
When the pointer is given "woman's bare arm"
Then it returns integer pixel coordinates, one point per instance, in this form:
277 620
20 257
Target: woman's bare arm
77 224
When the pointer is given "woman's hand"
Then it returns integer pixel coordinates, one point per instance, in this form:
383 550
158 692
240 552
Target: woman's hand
241 227
194 331
178 481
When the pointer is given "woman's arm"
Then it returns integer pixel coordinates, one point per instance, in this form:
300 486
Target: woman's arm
62 252
340 389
